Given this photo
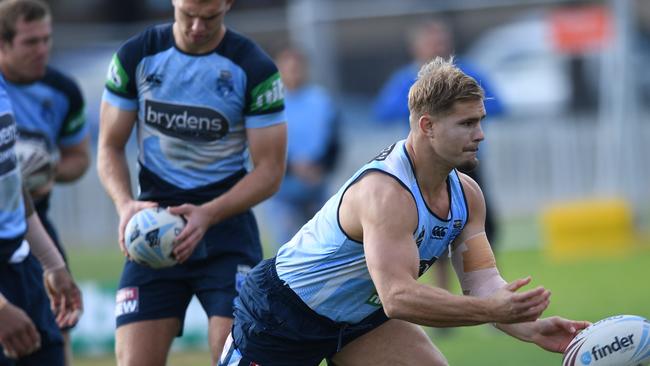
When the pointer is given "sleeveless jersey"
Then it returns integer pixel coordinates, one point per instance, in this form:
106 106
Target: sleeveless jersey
12 210
328 270
193 110
50 109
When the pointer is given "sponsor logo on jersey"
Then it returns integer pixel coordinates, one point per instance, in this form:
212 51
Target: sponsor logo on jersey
420 237
439 232
384 153
225 84
117 78
374 300
267 95
185 122
425 265
126 301
153 79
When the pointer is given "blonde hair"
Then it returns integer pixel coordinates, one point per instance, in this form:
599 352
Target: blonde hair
439 85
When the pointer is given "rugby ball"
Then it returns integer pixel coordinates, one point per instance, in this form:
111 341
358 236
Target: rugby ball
622 340
149 237
37 163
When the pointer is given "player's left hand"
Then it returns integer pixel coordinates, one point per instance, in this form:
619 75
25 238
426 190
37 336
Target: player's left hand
555 333
198 222
65 297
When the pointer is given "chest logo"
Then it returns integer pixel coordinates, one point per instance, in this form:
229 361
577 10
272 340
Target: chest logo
153 79
225 84
197 124
439 232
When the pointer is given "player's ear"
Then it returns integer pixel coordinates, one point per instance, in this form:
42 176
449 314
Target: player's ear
426 125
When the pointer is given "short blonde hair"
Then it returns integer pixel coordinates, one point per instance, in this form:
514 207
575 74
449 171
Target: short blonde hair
439 85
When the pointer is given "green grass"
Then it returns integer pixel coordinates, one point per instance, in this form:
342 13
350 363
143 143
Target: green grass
589 289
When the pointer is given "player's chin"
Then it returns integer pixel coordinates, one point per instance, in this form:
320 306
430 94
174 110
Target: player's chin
468 165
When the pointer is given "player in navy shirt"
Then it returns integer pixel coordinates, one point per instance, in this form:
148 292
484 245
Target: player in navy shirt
201 98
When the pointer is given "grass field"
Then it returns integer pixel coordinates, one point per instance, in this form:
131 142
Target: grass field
589 289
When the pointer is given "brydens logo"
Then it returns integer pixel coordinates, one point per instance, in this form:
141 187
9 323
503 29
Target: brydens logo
186 122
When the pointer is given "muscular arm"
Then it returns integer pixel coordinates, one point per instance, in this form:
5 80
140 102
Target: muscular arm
268 149
387 217
475 265
74 162
114 130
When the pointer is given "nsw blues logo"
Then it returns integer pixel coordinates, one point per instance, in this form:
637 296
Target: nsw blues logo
225 84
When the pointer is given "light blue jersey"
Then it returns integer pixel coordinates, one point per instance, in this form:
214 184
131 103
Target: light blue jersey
12 210
50 109
193 110
328 270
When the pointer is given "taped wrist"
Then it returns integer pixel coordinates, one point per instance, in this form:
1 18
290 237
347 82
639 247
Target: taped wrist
476 268
42 245
47 254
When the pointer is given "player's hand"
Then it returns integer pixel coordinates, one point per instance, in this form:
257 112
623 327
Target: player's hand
18 335
65 297
554 334
126 211
510 306
198 222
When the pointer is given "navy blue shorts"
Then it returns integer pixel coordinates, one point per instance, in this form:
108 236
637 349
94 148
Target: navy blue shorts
212 274
273 326
22 284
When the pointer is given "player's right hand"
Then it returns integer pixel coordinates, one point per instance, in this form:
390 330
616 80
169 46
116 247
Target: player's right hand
510 306
18 335
126 211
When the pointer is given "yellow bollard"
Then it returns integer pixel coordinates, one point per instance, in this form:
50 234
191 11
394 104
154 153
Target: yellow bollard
588 228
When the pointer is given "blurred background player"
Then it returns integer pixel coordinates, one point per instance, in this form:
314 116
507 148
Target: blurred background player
426 41
29 331
312 148
48 108
202 96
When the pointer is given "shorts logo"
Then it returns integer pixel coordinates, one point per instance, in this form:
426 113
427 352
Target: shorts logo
189 123
126 301
240 276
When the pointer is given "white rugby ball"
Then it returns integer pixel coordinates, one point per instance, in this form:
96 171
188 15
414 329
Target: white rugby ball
36 163
621 340
149 237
